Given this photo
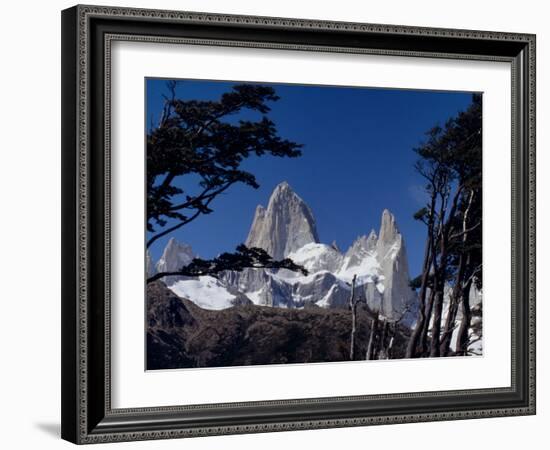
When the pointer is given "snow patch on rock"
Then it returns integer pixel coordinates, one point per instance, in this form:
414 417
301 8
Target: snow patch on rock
207 292
286 229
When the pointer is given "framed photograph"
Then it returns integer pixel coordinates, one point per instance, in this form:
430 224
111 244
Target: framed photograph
281 224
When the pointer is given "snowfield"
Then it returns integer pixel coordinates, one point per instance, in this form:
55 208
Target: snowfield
207 292
287 229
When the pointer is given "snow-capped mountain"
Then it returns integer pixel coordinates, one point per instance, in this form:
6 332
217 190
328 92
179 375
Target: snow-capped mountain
286 228
175 256
391 253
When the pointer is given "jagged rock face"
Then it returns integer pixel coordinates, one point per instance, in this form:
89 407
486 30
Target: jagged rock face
149 266
316 257
175 256
285 226
388 231
250 280
360 251
321 289
394 267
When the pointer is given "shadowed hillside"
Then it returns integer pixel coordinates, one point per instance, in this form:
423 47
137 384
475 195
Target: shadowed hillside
181 335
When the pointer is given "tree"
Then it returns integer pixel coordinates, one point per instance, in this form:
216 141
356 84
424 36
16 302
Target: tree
203 142
450 161
354 301
465 237
372 337
243 258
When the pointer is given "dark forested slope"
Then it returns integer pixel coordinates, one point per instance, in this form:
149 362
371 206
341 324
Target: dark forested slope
180 334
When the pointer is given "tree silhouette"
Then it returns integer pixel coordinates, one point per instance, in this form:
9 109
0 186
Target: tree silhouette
197 138
203 141
450 161
243 258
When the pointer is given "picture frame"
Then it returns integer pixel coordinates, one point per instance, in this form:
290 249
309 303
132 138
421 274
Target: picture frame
88 33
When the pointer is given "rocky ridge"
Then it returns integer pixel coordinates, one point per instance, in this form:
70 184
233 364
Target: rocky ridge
286 228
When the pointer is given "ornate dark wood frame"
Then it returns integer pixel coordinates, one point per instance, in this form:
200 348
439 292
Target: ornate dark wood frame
87 33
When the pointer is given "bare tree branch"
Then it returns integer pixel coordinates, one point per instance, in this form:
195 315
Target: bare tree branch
184 221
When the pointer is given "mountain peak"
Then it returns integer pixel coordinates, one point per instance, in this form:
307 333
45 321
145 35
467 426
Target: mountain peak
388 228
286 228
286 225
175 256
283 191
360 248
283 186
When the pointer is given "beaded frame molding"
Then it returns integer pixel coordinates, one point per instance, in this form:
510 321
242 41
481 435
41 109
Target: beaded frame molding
87 35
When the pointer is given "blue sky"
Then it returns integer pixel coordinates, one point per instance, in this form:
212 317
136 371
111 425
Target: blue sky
357 160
